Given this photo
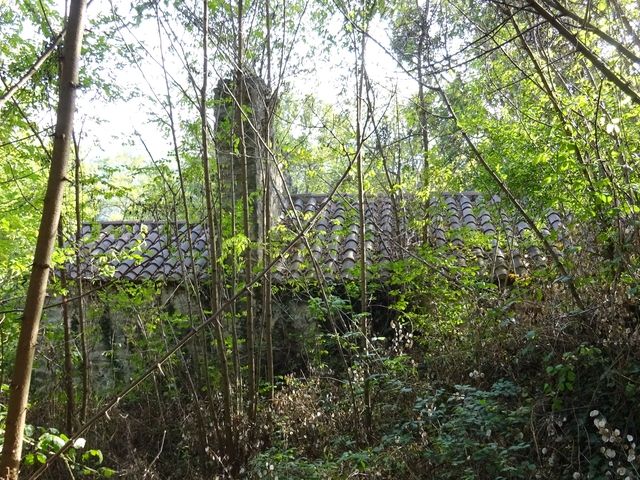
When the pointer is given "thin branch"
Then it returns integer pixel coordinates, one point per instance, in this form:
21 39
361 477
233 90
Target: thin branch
11 91
584 50
561 268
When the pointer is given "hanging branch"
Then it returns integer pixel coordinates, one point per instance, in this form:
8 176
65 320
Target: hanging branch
17 408
545 86
630 30
588 26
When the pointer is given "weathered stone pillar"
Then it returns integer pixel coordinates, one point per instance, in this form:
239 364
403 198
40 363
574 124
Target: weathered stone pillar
257 139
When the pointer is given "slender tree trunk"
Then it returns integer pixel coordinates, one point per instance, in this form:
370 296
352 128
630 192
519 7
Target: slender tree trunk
86 367
68 360
267 305
422 104
247 214
234 307
17 409
213 251
191 278
362 231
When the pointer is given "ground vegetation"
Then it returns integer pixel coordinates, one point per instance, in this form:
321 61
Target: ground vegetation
418 367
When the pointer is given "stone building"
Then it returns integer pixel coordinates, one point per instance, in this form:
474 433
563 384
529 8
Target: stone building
173 259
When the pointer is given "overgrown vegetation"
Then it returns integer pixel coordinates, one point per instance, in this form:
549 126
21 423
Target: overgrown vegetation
270 362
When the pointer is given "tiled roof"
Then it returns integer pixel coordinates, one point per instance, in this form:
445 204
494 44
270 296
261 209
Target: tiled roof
464 226
334 241
506 243
140 251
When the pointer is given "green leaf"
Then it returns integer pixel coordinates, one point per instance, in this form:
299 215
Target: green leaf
93 454
107 472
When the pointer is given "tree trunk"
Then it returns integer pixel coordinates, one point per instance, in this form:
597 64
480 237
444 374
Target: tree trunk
422 105
362 231
216 283
247 215
68 360
17 409
267 300
86 384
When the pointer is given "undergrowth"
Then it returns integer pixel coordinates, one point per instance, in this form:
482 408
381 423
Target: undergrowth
504 387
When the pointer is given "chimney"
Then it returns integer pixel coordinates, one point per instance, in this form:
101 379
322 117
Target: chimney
257 136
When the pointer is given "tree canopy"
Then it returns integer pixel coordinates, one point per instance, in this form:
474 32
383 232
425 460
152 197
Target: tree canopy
203 123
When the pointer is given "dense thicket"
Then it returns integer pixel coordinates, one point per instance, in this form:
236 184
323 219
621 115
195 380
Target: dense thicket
422 367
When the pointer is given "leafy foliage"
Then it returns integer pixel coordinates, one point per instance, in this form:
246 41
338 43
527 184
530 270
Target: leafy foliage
438 371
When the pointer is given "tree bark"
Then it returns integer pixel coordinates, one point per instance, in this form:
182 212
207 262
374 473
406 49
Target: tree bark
17 408
362 231
267 300
422 105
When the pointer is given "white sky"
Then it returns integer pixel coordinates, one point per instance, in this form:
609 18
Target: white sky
121 120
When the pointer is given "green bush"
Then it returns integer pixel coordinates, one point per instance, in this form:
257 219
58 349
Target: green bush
474 434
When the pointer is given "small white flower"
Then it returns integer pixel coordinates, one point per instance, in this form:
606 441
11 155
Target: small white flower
613 127
576 476
79 443
594 413
629 438
609 453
